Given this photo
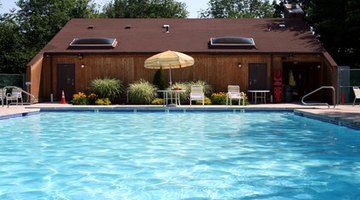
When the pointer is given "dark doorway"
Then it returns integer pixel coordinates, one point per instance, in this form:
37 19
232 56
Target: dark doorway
66 80
257 76
306 77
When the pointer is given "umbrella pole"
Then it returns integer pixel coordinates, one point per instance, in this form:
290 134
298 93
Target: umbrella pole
170 76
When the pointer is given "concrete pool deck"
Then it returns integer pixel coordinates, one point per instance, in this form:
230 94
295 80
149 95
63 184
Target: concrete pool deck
345 115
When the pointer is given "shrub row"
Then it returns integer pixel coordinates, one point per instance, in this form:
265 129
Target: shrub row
105 91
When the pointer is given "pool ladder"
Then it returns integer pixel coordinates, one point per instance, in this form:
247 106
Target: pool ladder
320 88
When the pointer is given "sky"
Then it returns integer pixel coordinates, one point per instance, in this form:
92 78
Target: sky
193 6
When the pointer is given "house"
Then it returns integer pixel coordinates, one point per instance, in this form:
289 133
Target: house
281 55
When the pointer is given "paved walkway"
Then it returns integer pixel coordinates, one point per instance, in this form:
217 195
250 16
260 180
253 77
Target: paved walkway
15 111
347 115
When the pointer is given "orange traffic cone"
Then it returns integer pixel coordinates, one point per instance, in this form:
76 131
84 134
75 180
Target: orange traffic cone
63 101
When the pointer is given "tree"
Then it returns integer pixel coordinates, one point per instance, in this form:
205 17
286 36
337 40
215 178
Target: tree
337 25
145 9
279 9
238 9
24 32
40 20
14 52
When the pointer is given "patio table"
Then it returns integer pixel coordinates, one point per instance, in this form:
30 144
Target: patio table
261 96
172 95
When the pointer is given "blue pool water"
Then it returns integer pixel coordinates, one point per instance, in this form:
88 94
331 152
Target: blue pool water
177 156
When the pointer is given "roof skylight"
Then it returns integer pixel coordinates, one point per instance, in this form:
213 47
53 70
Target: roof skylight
231 42
93 43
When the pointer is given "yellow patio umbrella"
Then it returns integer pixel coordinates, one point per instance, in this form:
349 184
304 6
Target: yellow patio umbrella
169 60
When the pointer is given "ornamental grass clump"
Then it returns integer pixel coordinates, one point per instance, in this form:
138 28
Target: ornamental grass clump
142 92
107 88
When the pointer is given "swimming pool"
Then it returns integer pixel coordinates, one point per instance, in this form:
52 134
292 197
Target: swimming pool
224 155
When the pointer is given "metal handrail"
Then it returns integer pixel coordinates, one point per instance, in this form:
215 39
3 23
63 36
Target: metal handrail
23 91
320 88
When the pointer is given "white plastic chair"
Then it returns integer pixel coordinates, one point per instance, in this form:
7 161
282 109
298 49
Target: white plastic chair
357 94
197 93
15 95
2 96
234 93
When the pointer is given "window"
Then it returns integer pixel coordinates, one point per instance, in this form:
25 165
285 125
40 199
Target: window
93 43
232 42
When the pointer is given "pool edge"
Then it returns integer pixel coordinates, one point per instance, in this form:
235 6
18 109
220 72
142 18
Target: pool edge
321 117
325 118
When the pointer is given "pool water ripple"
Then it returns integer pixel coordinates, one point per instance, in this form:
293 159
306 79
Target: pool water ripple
177 156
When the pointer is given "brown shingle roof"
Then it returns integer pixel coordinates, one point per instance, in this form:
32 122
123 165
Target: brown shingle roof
187 35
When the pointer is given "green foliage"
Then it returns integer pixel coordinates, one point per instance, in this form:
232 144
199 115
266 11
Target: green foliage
14 52
80 99
157 101
218 98
337 25
42 19
103 101
159 80
207 101
142 92
278 9
107 88
145 9
92 98
238 9
12 80
25 32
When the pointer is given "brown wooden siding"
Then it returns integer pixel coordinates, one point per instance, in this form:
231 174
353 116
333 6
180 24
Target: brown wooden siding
217 70
33 76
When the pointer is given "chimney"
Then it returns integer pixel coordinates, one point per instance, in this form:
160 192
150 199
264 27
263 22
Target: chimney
166 27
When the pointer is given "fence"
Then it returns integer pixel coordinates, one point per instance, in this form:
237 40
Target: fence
347 78
12 80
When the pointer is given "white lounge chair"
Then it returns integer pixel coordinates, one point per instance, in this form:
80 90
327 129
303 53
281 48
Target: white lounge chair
197 93
234 93
15 95
2 96
357 94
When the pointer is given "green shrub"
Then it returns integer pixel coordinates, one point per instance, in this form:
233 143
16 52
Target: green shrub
80 99
141 92
107 88
218 98
246 98
207 101
159 81
103 101
157 101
